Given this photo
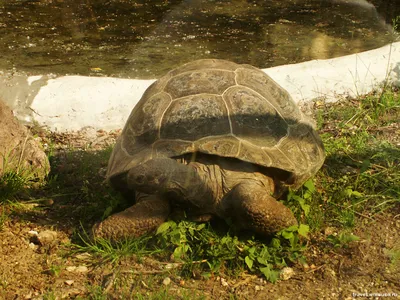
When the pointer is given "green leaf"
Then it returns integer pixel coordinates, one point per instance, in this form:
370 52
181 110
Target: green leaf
357 194
252 250
310 186
288 235
303 230
276 243
179 252
305 207
191 231
292 228
365 166
107 212
347 192
165 226
346 238
201 226
271 275
249 262
264 256
266 271
175 237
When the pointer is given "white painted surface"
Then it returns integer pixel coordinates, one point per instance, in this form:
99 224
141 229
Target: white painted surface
352 75
73 102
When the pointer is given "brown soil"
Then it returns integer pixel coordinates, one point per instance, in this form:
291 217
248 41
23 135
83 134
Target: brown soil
32 266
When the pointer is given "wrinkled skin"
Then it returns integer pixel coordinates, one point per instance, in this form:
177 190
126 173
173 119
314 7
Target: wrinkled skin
204 187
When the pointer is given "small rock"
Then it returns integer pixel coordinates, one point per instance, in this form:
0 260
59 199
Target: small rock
286 273
103 172
33 233
330 231
79 269
82 269
330 274
32 246
48 202
88 132
69 282
166 281
47 237
71 268
171 266
223 282
83 256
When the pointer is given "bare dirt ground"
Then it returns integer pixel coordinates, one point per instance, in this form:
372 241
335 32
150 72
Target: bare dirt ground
36 261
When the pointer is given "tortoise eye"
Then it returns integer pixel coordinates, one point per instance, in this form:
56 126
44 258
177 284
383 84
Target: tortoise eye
140 179
150 178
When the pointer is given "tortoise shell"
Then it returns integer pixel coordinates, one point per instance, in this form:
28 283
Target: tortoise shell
221 108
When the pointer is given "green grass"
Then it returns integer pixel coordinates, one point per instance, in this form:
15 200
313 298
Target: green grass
11 184
113 252
360 178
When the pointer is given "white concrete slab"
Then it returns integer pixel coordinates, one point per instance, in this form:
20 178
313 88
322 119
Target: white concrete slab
352 75
73 102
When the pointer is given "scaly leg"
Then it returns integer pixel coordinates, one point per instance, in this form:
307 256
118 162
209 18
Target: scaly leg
251 207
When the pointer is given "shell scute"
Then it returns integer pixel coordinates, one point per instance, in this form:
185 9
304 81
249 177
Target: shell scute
270 90
249 152
253 118
200 82
229 145
204 64
195 117
170 148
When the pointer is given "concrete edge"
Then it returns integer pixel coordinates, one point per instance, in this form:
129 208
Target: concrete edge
70 103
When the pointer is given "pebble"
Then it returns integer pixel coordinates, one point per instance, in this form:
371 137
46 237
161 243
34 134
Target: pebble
83 256
33 233
223 282
166 281
171 266
69 282
47 237
79 269
32 246
286 273
88 132
330 231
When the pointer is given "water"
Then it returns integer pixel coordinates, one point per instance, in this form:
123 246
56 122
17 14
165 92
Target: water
145 39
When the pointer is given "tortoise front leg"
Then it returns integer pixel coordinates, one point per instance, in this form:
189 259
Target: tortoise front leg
251 207
174 180
145 216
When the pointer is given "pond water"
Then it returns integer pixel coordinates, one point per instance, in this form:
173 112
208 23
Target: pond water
145 39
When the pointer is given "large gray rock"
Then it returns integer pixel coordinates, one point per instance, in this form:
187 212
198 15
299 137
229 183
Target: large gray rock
19 151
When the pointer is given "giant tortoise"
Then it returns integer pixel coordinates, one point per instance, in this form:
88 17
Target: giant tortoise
211 138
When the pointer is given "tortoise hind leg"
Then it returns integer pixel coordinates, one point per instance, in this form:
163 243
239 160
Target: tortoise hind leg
251 207
145 216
